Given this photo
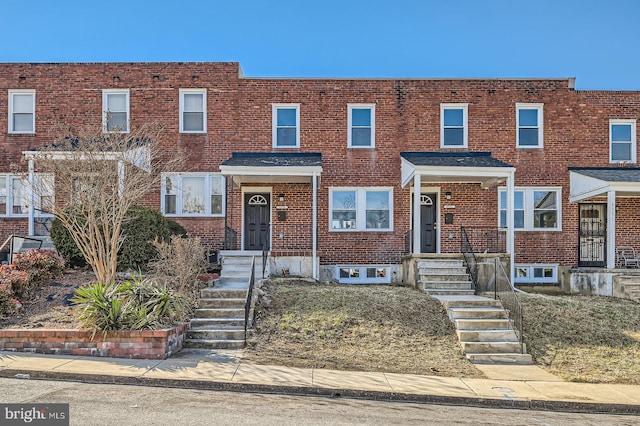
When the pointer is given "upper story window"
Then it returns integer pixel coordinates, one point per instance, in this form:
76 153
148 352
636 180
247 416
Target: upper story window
115 109
22 111
193 194
16 195
361 209
362 125
622 140
286 125
535 209
453 126
529 122
193 110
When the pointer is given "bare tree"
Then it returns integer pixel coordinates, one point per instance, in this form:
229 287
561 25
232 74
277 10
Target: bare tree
98 176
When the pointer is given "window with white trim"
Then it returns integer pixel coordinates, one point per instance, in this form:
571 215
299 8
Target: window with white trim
193 194
115 110
193 110
362 125
535 209
453 126
622 141
535 273
357 274
361 209
22 111
286 125
529 124
16 195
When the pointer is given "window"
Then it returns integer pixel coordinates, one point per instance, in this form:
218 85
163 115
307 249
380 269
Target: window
536 273
16 195
362 129
535 209
115 107
193 194
622 139
22 111
529 123
286 125
453 126
193 110
355 274
362 209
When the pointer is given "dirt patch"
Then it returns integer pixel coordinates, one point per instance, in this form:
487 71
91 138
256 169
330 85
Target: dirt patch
359 328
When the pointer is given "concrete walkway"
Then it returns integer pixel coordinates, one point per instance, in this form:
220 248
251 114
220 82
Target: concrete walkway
511 386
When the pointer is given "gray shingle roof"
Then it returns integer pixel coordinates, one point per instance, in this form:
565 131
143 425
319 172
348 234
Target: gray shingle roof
278 159
453 159
610 174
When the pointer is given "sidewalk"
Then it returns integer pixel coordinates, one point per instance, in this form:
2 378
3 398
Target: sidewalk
524 387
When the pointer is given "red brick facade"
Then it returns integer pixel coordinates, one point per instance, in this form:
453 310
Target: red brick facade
407 119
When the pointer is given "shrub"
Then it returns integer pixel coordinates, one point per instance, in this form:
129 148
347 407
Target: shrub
7 302
179 263
65 245
42 266
137 304
16 281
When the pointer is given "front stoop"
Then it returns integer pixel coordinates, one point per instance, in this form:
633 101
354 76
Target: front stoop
219 323
484 330
446 276
631 287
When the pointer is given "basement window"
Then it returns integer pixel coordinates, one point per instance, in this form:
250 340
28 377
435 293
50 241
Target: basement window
536 274
355 274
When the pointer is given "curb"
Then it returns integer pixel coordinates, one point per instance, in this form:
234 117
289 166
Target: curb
479 402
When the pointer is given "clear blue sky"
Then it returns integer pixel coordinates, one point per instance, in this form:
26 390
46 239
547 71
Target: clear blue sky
598 42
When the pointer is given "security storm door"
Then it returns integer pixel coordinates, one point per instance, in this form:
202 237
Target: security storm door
428 223
257 213
593 233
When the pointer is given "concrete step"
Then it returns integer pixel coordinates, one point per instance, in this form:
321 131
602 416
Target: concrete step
477 313
219 313
213 344
440 263
222 303
490 347
215 323
483 324
235 333
470 302
506 358
223 293
486 336
463 285
448 292
442 271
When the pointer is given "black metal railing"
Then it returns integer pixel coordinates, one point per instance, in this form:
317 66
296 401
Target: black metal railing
230 239
487 239
247 305
504 291
408 242
265 251
10 243
466 248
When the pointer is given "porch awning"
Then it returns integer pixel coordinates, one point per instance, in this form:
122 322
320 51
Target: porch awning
279 167
462 167
589 182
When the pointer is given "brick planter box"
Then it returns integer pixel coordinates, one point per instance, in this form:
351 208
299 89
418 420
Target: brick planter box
144 344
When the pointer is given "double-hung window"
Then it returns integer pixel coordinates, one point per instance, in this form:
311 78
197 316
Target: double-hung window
16 195
286 125
115 110
362 125
193 194
453 126
193 110
622 141
22 111
361 209
535 209
529 123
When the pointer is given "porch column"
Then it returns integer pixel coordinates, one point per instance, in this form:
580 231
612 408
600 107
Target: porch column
417 185
314 225
510 224
611 229
32 198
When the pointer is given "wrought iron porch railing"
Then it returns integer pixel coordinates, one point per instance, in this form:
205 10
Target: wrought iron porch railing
265 251
10 242
466 248
247 305
487 239
230 239
408 242
504 291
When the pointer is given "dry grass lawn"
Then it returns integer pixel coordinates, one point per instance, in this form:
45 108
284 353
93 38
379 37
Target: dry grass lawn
358 328
584 338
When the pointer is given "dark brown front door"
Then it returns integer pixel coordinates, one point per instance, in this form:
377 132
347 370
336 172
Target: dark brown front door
257 213
428 222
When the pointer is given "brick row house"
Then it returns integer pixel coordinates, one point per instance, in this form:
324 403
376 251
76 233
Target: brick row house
323 172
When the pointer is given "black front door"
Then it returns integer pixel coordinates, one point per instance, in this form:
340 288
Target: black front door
428 223
593 235
257 213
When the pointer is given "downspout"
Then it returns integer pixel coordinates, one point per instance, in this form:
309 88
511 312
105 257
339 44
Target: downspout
510 225
611 229
417 187
32 197
314 225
